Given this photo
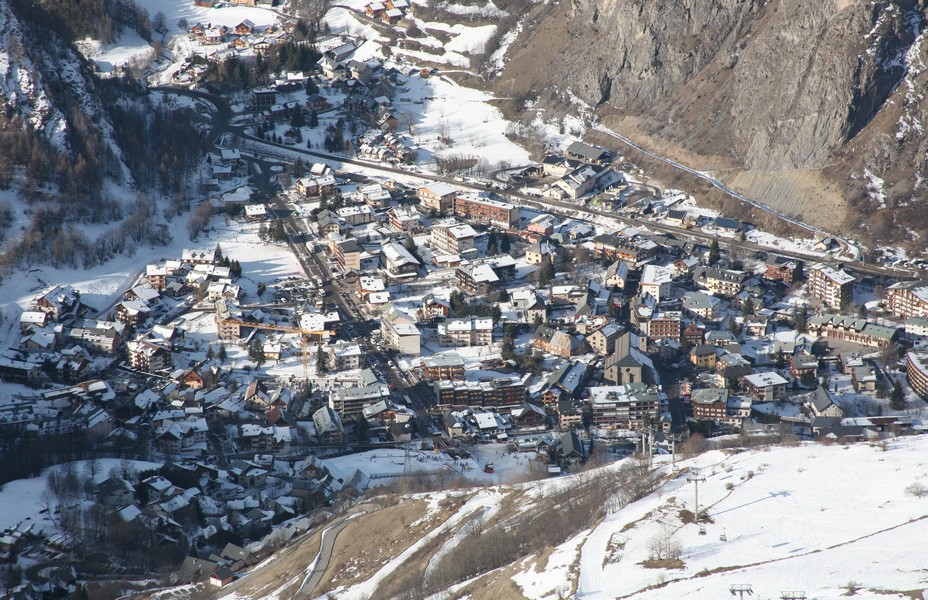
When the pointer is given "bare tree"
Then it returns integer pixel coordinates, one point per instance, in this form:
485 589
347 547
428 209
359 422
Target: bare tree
664 546
476 524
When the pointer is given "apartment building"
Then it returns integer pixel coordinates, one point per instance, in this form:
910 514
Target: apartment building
471 331
834 287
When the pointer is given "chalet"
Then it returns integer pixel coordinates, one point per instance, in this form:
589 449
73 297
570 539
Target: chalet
328 424
391 16
404 219
59 302
255 212
31 320
583 180
784 269
615 247
803 364
246 27
588 153
822 404
132 312
529 305
114 492
864 379
704 356
617 275
528 416
398 262
555 342
374 195
693 335
198 256
374 9
723 283
477 280
148 357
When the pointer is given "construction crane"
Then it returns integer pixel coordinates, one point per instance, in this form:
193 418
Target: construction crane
304 333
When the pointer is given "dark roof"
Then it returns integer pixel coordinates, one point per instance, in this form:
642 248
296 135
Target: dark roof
588 152
727 223
821 399
571 445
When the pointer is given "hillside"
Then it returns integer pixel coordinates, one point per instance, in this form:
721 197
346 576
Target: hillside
84 161
818 518
797 103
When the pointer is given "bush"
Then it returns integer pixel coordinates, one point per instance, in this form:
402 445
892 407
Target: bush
916 490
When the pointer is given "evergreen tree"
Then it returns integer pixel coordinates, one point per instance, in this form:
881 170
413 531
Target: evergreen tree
747 307
219 255
800 320
221 353
504 245
256 351
362 429
897 397
492 249
545 272
714 252
321 366
209 352
313 119
297 118
277 231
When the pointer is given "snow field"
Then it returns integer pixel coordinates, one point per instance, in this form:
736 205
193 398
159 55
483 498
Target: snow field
801 506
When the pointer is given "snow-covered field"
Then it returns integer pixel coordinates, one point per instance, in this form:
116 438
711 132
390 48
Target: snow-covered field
812 518
809 518
21 500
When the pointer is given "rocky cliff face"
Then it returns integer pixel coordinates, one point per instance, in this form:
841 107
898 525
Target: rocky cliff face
767 84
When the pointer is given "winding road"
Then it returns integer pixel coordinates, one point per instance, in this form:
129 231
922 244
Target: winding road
326 547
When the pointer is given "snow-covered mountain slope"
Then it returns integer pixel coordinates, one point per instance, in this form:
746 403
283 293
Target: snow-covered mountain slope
813 518
47 85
